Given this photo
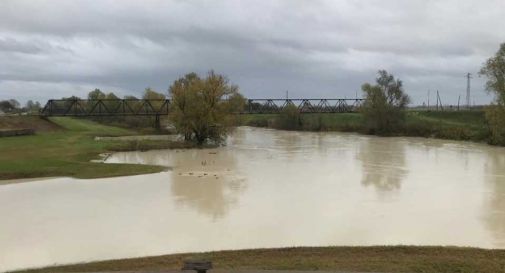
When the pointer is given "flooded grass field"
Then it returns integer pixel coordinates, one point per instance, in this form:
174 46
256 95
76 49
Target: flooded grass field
266 188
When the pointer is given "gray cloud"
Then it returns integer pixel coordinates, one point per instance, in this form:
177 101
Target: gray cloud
319 48
12 45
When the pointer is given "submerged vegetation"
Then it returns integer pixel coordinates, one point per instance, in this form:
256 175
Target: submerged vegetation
202 108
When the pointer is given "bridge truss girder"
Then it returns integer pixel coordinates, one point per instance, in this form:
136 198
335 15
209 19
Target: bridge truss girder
275 106
139 107
106 107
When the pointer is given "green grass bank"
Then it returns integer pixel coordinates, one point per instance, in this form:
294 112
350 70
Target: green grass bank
356 259
64 147
460 125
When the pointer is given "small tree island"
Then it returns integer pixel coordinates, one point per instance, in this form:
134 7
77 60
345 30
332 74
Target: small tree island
202 108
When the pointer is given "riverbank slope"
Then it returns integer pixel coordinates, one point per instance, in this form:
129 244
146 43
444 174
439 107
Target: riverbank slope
65 146
27 122
454 125
356 259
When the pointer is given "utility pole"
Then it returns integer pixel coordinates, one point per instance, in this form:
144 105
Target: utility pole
459 97
468 77
287 94
428 99
437 100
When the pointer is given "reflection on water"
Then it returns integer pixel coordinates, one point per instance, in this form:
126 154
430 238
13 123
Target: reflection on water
383 162
266 188
495 202
211 196
207 179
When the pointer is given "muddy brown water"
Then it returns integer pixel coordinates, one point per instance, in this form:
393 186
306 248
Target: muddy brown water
266 188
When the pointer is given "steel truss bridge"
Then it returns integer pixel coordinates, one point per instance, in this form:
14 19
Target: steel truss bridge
305 106
106 107
158 107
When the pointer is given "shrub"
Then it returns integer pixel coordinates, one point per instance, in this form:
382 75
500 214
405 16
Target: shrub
384 105
495 116
289 118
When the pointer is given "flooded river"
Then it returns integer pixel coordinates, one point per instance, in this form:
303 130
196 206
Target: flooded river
266 188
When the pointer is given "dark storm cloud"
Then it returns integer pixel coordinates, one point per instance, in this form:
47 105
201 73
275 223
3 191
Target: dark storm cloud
317 48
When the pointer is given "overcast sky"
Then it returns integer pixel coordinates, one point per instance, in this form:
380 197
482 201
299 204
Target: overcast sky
313 48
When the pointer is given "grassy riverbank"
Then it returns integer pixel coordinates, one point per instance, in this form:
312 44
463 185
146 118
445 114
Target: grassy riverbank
66 148
461 125
361 259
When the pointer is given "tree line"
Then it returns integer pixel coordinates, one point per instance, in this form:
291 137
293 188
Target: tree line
13 106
